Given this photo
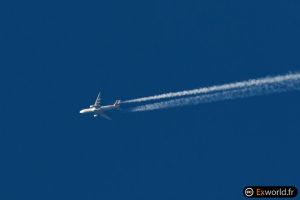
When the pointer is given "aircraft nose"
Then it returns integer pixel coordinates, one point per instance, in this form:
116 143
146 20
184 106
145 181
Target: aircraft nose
82 111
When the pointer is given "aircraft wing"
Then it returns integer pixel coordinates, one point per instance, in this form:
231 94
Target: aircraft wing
105 116
98 100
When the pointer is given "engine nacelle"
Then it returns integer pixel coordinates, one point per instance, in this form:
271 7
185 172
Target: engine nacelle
91 106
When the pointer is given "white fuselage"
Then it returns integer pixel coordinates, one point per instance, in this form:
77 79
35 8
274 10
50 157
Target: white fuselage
99 110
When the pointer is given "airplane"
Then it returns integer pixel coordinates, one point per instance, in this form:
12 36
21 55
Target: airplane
96 109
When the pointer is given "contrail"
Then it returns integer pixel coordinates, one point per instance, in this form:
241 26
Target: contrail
243 89
216 88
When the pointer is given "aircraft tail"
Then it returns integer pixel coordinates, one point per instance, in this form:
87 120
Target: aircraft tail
117 103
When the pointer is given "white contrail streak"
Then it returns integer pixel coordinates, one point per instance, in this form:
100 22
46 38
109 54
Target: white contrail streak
216 88
245 89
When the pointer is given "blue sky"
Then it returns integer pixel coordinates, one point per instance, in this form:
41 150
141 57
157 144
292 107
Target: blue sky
57 55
